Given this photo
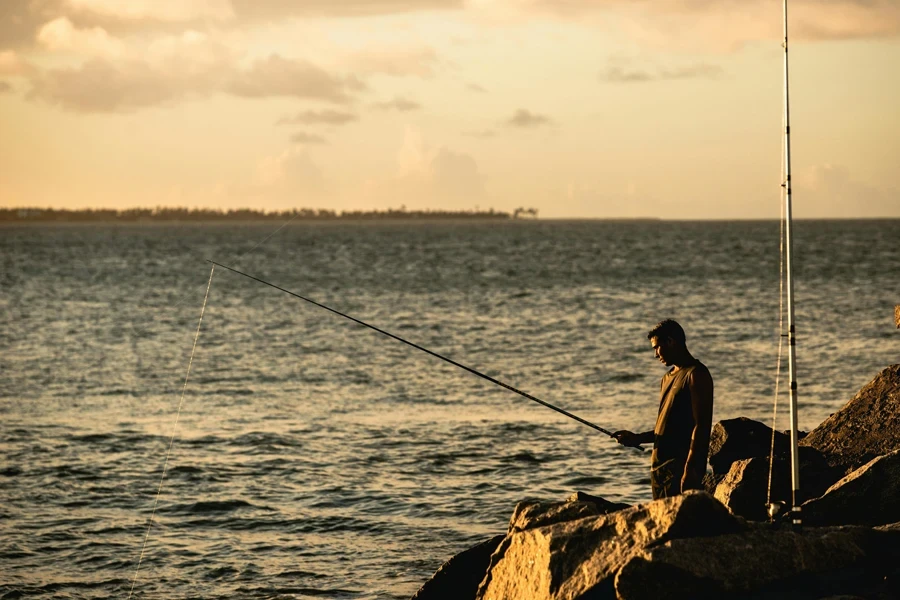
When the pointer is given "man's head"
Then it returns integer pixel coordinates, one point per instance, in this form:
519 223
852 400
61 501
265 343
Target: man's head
668 341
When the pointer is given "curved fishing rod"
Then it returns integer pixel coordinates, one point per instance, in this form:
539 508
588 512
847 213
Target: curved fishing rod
426 350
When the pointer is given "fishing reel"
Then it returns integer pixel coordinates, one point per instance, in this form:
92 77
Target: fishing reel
773 509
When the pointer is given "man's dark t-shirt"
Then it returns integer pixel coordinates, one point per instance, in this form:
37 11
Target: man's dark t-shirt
673 433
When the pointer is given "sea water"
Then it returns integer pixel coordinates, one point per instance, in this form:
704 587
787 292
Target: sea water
314 458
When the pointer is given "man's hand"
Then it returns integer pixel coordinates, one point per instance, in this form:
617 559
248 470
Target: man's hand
628 438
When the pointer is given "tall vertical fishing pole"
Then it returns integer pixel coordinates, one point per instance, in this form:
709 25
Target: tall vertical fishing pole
789 273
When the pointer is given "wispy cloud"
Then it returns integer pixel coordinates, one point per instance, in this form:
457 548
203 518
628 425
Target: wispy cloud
399 104
727 25
273 9
278 76
101 85
621 74
526 119
474 87
5 87
318 117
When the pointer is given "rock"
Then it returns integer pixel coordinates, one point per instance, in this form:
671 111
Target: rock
737 439
762 562
604 506
744 489
868 496
711 482
458 578
567 560
866 427
534 513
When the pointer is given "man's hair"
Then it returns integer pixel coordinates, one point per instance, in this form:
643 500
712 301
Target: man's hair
668 328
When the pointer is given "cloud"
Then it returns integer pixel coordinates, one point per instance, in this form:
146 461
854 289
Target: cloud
154 10
429 178
101 85
316 117
20 20
11 64
277 9
60 34
398 103
526 119
620 74
290 177
5 87
483 134
727 24
474 87
833 192
456 175
301 137
277 76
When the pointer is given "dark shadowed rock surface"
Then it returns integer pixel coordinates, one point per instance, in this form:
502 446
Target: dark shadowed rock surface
568 560
869 495
738 439
866 427
711 481
744 489
762 562
458 578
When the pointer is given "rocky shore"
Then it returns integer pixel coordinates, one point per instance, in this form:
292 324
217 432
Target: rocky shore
719 542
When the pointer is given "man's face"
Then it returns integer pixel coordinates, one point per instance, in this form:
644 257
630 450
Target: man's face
662 349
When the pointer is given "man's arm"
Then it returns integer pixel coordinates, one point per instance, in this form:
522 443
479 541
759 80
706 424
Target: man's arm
701 386
628 438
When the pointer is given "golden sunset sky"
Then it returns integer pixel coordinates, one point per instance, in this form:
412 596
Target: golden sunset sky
580 108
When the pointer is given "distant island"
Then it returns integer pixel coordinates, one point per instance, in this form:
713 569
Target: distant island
131 215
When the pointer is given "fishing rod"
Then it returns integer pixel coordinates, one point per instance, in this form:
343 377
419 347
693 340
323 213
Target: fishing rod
426 350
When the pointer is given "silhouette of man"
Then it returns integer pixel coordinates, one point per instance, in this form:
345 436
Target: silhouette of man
681 436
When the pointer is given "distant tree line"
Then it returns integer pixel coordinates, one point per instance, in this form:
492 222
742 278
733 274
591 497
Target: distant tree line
247 214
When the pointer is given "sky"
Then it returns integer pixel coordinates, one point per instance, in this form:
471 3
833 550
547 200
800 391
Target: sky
579 108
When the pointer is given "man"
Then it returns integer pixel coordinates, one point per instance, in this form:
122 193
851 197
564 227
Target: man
681 436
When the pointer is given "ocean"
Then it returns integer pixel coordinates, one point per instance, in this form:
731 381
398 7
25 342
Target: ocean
314 458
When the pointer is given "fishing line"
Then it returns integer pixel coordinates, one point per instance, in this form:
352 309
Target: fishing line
174 432
426 350
781 334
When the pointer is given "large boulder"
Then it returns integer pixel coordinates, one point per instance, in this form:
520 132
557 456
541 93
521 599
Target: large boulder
745 488
744 491
529 514
738 439
458 578
868 496
866 427
763 562
571 559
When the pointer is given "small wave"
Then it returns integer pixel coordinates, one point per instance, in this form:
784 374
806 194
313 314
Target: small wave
523 457
626 377
214 506
222 573
586 480
306 591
